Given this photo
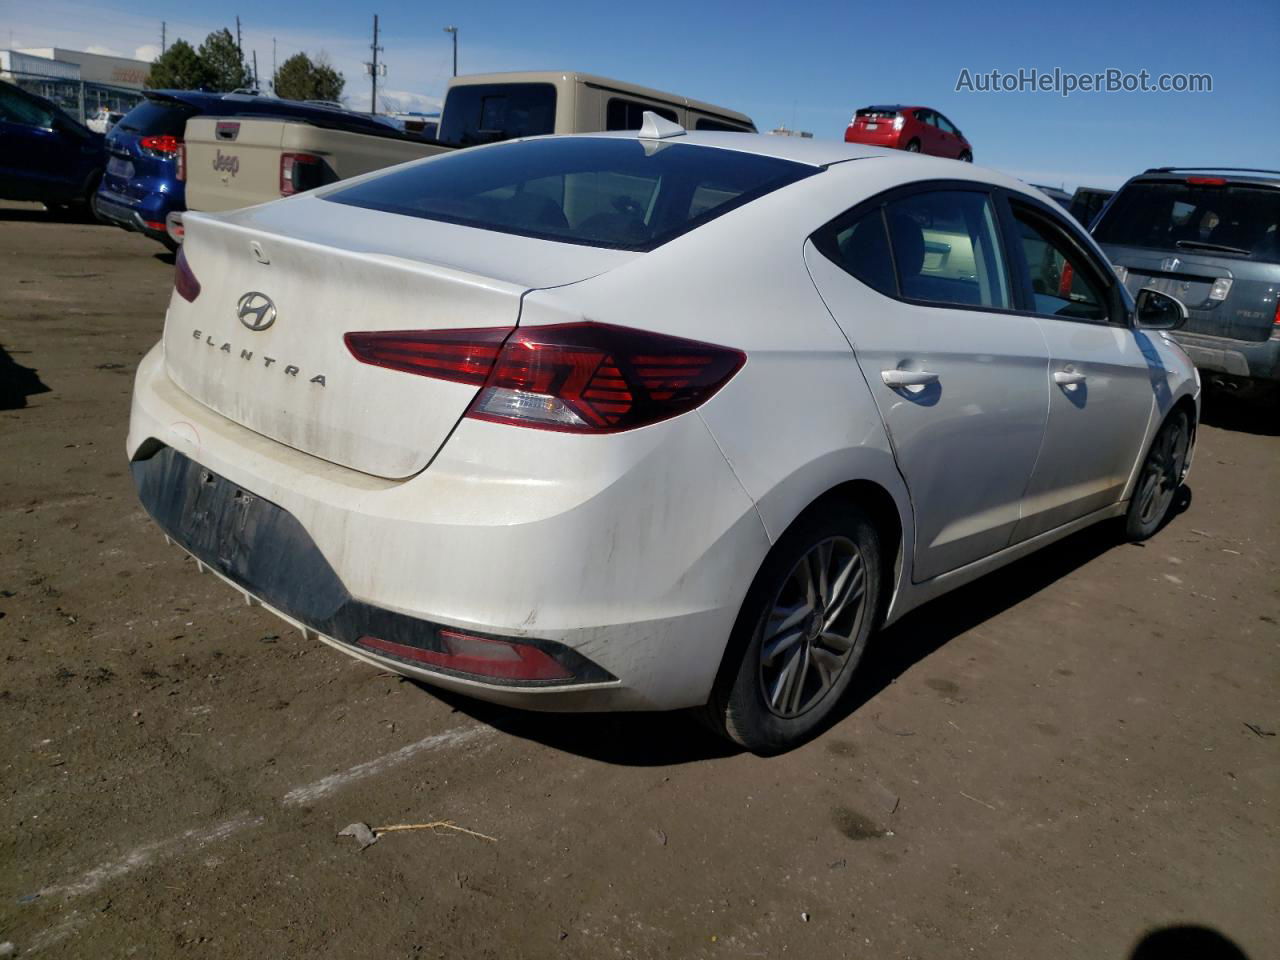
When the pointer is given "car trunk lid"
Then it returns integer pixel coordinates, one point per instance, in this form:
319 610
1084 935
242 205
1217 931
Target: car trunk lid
327 271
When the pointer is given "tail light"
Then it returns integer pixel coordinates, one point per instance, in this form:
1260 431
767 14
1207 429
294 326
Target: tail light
165 146
1065 281
1207 181
184 281
572 377
899 122
182 162
1275 323
299 172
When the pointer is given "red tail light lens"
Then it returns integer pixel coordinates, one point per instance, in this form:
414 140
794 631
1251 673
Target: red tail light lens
299 172
597 378
184 281
463 356
573 377
1207 181
477 656
160 146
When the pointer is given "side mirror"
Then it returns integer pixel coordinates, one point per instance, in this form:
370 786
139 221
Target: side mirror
1159 311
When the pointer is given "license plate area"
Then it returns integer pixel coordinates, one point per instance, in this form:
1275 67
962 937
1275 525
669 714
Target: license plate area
119 167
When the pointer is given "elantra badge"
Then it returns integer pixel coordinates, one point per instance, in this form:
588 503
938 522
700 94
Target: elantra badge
256 311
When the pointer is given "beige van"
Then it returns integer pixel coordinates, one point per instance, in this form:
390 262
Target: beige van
236 162
482 108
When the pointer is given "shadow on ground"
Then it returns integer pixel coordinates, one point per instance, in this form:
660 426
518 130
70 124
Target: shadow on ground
1186 943
655 739
17 383
1260 416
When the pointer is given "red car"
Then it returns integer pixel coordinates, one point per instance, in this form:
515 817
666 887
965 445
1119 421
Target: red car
918 129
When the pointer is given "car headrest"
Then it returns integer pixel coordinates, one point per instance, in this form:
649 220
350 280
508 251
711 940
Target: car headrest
908 244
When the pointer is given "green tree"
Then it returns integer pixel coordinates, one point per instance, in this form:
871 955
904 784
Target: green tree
179 68
301 78
224 61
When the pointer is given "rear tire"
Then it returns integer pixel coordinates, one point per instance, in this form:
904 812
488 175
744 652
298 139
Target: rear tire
1159 478
800 634
913 146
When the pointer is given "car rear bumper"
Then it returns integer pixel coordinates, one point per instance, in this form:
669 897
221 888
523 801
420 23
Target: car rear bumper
1246 359
629 566
122 213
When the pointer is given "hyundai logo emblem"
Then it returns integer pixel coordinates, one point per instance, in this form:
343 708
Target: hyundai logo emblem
256 311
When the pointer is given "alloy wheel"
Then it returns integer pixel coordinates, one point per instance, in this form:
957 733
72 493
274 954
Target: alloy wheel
809 631
1162 473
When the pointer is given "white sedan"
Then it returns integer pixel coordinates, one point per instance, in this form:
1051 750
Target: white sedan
649 421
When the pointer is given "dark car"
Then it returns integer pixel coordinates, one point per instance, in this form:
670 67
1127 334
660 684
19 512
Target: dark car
915 129
1210 238
1087 203
45 155
145 175
1060 197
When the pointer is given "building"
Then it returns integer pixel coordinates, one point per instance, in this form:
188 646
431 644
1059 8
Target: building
784 132
95 67
79 82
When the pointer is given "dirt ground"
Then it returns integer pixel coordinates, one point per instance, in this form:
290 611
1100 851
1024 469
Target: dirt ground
1057 761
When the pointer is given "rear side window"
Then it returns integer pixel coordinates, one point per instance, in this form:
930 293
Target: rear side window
1062 283
629 114
604 192
489 112
18 109
1231 219
862 249
156 118
946 249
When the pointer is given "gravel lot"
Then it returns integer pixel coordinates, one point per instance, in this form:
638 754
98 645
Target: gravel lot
1054 762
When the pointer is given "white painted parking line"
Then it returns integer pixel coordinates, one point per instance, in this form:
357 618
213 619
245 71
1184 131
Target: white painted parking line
312 792
194 839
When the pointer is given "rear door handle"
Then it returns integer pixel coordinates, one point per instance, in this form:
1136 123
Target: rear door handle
908 378
1068 378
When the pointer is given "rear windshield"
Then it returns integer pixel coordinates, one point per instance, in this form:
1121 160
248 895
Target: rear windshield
1232 219
621 193
157 118
489 112
878 112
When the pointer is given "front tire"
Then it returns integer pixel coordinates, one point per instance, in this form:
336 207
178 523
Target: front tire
1159 478
801 632
966 157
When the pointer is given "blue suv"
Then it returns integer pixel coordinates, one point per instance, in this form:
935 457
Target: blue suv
45 155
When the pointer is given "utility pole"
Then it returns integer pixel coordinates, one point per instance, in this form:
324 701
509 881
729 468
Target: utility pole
255 70
375 67
238 47
163 42
454 31
274 68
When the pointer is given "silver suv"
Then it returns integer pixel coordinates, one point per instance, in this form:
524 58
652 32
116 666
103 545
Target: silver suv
1209 237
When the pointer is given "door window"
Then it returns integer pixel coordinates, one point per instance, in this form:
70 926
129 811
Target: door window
1062 282
946 249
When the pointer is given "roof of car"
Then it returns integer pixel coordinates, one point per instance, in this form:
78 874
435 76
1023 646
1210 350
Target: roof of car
1233 174
807 150
248 105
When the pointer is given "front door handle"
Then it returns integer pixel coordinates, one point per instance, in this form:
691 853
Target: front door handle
1068 378
908 378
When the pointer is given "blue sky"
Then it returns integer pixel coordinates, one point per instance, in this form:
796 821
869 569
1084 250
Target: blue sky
807 65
